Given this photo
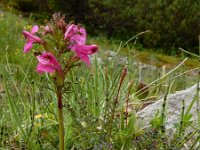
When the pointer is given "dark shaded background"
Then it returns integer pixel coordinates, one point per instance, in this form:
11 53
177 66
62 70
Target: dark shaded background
173 23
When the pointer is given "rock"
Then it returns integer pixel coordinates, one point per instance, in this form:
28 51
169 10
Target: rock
106 55
174 108
110 53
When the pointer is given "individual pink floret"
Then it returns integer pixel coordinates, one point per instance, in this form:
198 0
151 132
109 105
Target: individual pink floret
31 38
47 63
76 34
77 38
47 29
83 52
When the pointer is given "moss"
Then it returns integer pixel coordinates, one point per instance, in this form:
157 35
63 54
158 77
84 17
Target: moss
152 58
169 61
192 63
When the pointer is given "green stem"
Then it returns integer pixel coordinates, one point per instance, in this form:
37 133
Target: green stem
60 118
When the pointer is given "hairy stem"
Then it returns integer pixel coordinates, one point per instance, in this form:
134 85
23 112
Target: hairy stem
60 117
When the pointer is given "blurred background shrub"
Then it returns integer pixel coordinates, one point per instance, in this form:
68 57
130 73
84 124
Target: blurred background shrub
173 23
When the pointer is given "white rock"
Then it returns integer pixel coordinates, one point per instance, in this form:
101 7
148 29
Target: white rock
174 107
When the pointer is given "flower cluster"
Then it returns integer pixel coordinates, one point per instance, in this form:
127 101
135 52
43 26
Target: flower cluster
63 45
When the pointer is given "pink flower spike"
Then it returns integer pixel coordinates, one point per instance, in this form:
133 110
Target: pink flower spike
83 52
31 38
76 34
48 63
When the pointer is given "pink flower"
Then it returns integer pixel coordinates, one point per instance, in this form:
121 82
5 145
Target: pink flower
47 63
77 38
31 38
47 30
75 34
83 52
